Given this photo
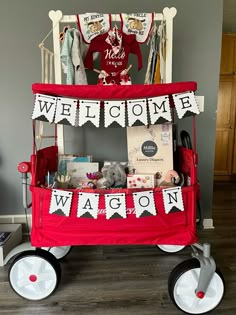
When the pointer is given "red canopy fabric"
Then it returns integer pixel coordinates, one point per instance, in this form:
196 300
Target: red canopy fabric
114 92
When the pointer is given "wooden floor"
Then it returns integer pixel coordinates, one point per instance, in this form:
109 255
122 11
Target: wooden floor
132 280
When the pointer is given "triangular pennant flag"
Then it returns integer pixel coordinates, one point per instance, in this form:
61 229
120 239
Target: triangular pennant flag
144 201
66 110
88 204
159 109
44 106
115 204
173 199
61 202
185 102
89 111
137 110
114 112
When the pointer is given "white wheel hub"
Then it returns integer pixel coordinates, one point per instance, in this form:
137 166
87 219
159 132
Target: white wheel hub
33 277
185 295
171 248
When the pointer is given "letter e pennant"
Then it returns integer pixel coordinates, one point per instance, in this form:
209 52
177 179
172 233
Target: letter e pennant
185 103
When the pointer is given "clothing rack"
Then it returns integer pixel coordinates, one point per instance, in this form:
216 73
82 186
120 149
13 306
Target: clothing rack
58 18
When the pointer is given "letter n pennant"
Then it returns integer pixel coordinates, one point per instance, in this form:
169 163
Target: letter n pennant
61 202
88 205
44 107
173 200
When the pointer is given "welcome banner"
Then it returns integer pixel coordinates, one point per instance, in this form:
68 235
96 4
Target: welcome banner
77 112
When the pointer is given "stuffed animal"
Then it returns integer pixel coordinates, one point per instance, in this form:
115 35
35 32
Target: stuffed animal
171 179
114 176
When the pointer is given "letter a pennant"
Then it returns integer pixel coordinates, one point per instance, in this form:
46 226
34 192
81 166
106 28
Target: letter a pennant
60 202
173 199
88 205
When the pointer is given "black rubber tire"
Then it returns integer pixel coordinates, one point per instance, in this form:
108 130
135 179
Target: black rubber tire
48 257
178 271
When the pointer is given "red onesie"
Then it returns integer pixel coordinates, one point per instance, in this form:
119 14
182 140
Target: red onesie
110 61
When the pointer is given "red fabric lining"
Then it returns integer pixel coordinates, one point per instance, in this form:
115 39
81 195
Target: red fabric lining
177 228
113 92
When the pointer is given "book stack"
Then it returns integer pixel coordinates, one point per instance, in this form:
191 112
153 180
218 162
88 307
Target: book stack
4 236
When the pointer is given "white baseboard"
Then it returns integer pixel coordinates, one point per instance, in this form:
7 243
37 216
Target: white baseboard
208 224
17 218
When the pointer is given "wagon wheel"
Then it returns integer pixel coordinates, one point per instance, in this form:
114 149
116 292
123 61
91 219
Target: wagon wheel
182 286
59 252
171 248
34 275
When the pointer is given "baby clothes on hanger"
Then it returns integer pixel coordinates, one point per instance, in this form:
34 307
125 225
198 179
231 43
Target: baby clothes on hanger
73 51
114 48
93 24
139 24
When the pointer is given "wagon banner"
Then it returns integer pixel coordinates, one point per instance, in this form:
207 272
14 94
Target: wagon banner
116 204
77 112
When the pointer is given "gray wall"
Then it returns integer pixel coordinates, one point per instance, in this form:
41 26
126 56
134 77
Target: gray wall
196 55
229 14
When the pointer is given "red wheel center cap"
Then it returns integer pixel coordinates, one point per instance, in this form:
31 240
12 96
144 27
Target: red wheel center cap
32 278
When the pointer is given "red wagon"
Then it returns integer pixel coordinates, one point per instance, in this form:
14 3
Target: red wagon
171 231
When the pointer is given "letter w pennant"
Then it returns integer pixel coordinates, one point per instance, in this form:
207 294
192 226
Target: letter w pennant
61 202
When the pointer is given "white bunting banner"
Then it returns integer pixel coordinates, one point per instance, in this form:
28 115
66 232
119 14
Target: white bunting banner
115 206
144 201
137 110
66 111
61 202
114 111
159 109
44 107
88 204
89 111
185 102
173 200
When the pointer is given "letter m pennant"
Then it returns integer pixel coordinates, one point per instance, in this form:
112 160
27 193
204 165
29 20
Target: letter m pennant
60 202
